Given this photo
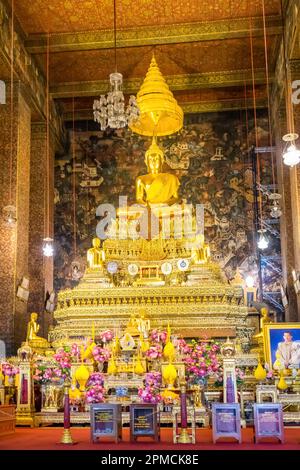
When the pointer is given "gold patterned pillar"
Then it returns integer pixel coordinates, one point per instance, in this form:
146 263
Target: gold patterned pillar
40 268
14 240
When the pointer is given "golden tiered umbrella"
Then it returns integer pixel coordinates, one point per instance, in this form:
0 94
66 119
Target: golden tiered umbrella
160 113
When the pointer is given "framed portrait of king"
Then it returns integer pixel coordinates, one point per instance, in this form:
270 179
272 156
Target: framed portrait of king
282 345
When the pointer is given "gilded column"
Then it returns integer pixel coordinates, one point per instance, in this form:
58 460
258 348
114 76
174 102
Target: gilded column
14 239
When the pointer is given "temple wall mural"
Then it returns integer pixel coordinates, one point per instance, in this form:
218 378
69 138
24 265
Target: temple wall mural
215 169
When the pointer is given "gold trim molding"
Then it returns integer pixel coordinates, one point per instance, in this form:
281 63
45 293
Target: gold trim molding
153 35
188 108
176 83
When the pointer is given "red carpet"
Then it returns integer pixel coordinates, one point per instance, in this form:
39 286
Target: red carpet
47 438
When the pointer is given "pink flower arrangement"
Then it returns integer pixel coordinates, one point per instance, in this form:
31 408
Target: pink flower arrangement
63 358
75 351
95 394
106 336
201 360
154 352
150 392
158 340
95 391
101 354
9 369
48 374
96 379
149 395
157 336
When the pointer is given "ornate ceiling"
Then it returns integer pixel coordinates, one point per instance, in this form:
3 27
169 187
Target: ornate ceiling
201 46
56 16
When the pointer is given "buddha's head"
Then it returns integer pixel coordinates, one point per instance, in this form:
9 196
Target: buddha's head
154 158
96 242
34 316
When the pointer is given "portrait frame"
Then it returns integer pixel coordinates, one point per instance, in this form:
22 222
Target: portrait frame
271 333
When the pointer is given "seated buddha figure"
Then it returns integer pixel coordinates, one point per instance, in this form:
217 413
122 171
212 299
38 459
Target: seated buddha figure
95 255
156 187
32 329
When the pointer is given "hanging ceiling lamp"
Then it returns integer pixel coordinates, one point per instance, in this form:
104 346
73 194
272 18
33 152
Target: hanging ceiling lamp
274 197
263 241
48 248
10 211
291 154
109 111
160 113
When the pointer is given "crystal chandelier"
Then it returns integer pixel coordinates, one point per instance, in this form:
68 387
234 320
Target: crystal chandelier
276 211
109 111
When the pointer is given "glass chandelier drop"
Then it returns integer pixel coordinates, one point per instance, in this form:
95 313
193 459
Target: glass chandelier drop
48 248
109 111
275 211
291 154
263 241
10 215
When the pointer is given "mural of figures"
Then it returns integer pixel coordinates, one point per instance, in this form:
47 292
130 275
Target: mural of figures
210 157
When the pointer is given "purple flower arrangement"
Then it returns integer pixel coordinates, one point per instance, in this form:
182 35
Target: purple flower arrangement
150 393
8 369
158 340
95 388
106 336
200 358
100 354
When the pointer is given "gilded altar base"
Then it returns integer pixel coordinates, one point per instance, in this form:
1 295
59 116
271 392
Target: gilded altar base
196 303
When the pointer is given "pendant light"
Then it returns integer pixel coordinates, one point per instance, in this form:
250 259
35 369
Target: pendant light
48 248
10 211
291 154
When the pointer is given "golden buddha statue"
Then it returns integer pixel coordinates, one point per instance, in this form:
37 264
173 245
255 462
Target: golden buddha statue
32 338
95 255
156 187
143 324
132 326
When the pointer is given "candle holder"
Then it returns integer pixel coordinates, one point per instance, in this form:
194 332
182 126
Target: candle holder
184 437
66 438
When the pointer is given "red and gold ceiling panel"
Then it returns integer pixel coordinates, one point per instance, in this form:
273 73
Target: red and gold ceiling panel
56 16
189 58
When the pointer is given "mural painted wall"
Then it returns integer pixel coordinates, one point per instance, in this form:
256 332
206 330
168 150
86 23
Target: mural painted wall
210 156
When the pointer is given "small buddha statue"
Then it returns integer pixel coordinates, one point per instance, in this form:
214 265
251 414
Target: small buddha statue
156 187
32 329
132 326
143 325
95 255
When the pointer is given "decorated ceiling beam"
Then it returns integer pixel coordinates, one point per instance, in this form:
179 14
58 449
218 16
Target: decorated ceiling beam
188 108
176 83
153 35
